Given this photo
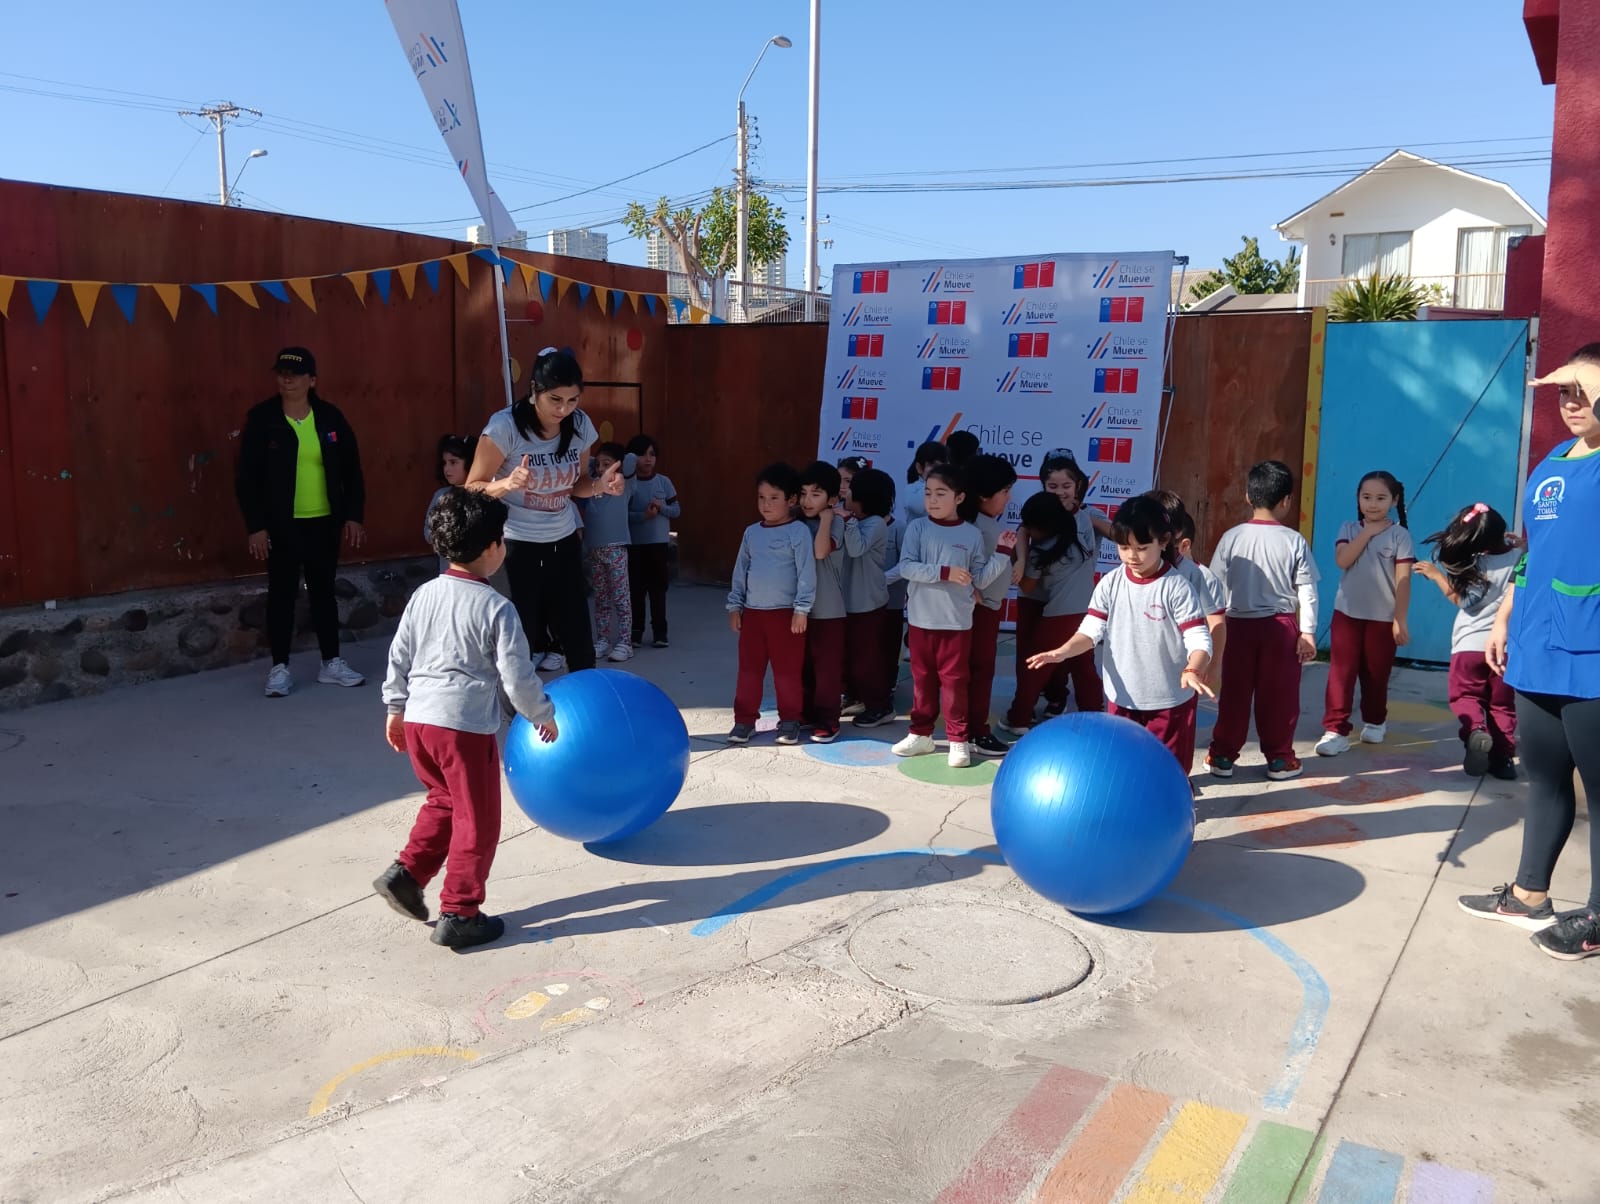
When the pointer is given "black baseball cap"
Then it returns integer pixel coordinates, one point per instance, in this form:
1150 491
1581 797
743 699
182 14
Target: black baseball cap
296 360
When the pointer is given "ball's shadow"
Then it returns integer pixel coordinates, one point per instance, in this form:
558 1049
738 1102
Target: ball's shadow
746 833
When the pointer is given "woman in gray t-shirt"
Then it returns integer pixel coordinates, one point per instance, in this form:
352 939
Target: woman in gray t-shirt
534 457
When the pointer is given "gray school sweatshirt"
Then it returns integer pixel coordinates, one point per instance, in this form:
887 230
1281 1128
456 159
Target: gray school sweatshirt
931 549
776 569
866 543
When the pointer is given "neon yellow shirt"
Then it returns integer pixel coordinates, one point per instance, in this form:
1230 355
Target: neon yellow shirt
310 481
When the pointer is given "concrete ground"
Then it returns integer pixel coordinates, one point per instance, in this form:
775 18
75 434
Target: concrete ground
813 980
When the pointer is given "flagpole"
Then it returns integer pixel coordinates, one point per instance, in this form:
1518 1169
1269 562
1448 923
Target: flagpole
500 310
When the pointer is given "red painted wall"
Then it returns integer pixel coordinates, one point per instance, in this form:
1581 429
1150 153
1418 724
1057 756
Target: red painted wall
117 441
1524 277
1568 32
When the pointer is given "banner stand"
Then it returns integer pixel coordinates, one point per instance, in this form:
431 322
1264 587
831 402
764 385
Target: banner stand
1169 392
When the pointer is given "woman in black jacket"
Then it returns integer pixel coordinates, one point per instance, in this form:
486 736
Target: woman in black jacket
299 487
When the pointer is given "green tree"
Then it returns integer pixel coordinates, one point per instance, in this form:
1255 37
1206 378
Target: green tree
1251 272
707 238
1204 287
1378 299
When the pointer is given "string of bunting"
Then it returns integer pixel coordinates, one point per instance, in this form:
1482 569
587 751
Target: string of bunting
42 292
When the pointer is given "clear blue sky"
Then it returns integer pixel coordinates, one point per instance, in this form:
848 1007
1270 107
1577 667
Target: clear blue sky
573 96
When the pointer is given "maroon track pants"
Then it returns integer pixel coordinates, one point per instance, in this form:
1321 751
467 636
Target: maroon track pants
939 668
823 675
869 674
1482 701
1359 650
1052 632
765 638
1262 665
1173 726
980 668
1030 612
458 827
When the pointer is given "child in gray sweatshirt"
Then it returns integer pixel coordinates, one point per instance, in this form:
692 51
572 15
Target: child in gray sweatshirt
459 646
943 559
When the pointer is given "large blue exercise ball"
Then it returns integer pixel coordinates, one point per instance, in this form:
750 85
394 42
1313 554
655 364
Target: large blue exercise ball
1093 812
618 764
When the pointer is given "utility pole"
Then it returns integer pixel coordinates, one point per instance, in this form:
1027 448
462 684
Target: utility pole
811 161
219 115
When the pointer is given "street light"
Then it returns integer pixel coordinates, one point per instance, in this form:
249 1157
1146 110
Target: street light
812 124
742 237
255 154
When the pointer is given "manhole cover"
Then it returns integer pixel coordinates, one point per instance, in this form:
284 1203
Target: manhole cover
969 953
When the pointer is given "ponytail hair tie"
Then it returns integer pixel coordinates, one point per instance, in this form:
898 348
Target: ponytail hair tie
1476 509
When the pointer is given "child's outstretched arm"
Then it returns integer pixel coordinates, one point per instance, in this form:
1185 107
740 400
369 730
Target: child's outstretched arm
521 684
1076 646
1431 571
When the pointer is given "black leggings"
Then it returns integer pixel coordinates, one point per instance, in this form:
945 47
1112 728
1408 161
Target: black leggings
647 579
1556 737
548 590
309 546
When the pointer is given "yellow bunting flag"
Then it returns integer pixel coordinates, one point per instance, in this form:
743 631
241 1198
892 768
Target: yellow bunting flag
243 291
562 285
170 295
358 281
408 277
459 262
300 286
633 300
529 275
697 315
7 283
603 295
85 292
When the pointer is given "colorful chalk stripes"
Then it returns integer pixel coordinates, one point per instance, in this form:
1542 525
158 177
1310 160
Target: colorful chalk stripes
1197 1149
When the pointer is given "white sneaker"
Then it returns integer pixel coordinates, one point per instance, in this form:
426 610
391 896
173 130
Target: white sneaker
553 662
622 652
1332 744
960 754
915 746
601 648
279 683
338 672
854 709
1373 733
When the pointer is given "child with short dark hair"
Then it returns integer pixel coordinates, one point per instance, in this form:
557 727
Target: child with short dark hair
1267 572
866 544
1062 552
774 586
459 648
652 504
944 561
1477 561
848 467
823 676
1213 602
606 544
927 455
1147 616
989 483
962 448
452 463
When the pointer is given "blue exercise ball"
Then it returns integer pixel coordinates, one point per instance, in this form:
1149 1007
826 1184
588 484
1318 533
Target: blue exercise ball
1093 812
618 764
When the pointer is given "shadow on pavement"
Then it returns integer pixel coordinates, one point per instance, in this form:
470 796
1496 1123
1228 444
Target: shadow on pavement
743 833
1237 884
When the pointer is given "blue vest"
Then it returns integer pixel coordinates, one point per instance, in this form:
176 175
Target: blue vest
1555 617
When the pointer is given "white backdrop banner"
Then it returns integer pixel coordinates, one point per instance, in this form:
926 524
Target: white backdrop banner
430 33
1029 354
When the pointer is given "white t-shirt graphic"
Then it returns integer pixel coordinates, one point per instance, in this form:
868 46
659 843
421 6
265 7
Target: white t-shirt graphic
544 512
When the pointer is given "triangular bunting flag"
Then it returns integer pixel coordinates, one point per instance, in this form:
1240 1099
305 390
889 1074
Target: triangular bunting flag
408 278
302 289
583 293
274 289
43 295
650 303
696 315
507 266
86 293
486 254
605 298
544 286
209 292
633 300
380 281
431 271
127 297
678 306
528 272
459 262
562 285
7 283
358 281
716 321
170 295
243 291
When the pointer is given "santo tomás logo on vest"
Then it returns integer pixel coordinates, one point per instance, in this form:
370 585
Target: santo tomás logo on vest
1547 498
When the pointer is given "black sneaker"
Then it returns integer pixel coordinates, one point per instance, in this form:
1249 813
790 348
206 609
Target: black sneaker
1479 745
638 639
824 735
990 746
1504 906
462 932
397 888
1054 709
659 642
1572 938
789 733
741 733
873 718
1505 770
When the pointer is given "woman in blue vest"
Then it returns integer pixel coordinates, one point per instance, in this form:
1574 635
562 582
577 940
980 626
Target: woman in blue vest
1546 642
